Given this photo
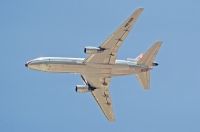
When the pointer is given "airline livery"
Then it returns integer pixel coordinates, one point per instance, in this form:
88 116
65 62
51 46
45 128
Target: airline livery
101 65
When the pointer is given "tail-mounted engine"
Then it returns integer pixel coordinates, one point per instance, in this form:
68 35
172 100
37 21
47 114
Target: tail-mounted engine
93 50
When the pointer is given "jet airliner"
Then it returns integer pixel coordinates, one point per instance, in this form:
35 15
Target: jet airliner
97 69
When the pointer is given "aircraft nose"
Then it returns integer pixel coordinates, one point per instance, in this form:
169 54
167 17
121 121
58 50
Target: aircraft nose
26 64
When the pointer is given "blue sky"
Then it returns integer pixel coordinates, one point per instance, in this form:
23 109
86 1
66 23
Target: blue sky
36 101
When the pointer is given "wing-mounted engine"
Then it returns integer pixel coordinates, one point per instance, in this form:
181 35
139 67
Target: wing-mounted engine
93 50
154 64
82 88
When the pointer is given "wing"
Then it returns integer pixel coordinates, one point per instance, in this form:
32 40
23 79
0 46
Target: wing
101 93
111 45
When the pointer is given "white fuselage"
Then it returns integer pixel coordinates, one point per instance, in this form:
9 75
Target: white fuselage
77 65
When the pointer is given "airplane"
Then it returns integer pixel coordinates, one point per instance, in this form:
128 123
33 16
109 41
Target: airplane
97 69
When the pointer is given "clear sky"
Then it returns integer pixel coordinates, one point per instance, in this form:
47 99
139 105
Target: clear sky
32 101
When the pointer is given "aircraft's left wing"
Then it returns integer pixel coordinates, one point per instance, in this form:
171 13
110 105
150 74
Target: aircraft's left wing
101 93
112 44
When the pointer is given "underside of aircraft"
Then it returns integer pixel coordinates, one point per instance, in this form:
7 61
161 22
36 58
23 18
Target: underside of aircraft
101 65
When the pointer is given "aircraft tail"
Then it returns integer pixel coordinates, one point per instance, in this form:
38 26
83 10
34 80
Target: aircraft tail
147 59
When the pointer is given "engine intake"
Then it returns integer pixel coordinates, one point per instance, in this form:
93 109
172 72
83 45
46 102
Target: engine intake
82 89
93 50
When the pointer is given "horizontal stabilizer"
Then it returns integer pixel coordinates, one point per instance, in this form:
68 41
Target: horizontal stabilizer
144 79
148 57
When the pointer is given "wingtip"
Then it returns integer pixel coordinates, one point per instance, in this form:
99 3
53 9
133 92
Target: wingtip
140 8
137 12
159 42
111 120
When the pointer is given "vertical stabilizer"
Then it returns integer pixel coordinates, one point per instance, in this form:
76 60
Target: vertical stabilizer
147 59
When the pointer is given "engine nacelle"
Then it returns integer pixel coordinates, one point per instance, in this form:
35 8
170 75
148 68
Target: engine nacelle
93 50
154 64
82 89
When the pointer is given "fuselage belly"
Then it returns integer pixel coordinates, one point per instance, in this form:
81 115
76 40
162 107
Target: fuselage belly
77 65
